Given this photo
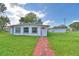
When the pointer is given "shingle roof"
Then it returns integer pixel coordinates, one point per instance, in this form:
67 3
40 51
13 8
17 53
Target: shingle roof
30 24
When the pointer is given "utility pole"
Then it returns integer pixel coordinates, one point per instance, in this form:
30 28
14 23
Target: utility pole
64 21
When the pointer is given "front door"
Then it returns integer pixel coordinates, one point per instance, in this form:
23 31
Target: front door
43 31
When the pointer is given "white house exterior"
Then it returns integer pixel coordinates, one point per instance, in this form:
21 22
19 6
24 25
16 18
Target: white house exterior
29 29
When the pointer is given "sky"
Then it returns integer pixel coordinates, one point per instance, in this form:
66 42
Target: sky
57 12
51 13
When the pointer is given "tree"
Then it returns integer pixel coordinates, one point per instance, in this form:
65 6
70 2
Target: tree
74 26
22 20
30 17
39 21
2 8
4 21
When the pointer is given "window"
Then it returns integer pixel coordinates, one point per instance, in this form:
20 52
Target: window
43 27
34 29
17 29
26 29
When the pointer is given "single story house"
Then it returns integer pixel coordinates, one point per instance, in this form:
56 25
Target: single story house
60 28
29 29
57 30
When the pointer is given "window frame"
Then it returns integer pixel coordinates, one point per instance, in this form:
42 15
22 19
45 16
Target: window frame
34 31
25 31
17 28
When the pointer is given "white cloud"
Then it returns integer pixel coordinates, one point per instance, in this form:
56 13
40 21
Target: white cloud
48 22
75 21
14 19
16 12
14 1
24 1
39 14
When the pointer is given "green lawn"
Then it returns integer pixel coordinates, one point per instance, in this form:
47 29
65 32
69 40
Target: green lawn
64 44
11 45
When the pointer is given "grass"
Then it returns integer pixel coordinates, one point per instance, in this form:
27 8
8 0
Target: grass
11 45
64 44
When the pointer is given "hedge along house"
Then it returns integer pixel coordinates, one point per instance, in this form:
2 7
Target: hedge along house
29 29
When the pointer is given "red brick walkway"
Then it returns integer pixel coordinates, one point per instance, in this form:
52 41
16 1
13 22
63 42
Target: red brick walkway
42 48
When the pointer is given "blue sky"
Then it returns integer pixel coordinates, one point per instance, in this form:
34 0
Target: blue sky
56 12
50 13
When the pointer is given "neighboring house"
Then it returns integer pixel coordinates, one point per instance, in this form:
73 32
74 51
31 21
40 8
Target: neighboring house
29 29
60 28
7 28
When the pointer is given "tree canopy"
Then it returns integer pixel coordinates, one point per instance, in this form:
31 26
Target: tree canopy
30 17
2 8
74 26
3 21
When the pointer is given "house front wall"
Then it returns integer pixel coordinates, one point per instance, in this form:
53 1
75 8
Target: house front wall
12 30
40 32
